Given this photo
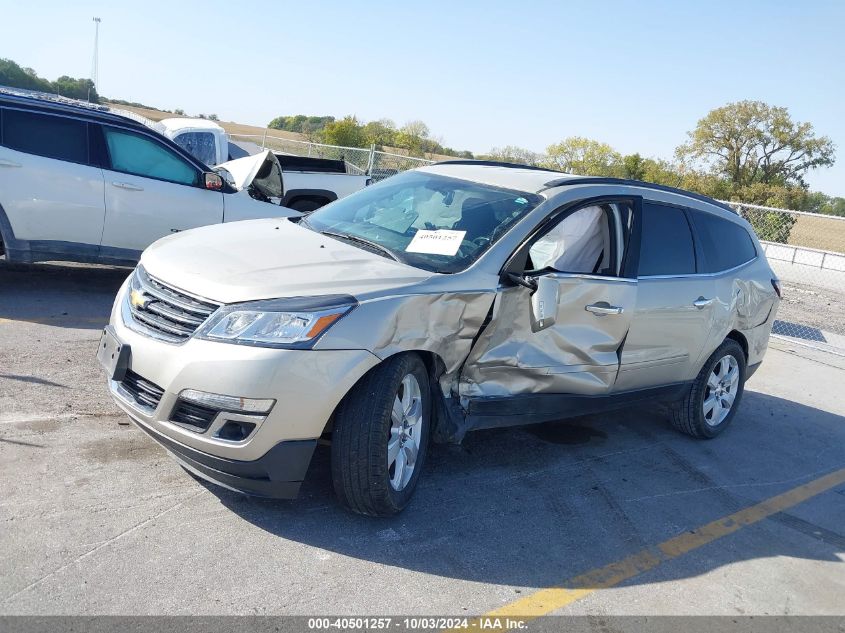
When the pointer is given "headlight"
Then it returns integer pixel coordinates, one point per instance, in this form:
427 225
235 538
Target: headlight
275 323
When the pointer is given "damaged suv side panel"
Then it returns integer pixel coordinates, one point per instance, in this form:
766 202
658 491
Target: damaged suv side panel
578 354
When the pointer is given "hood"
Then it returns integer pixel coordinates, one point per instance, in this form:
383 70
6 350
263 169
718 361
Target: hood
268 259
262 169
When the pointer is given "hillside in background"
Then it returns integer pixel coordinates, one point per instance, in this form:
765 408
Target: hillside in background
255 132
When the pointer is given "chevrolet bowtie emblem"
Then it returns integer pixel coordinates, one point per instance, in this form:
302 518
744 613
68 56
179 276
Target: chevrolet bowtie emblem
138 299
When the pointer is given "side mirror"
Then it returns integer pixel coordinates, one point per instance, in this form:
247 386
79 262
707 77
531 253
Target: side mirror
212 181
544 303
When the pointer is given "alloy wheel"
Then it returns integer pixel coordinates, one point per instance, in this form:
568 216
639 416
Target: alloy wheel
403 444
722 385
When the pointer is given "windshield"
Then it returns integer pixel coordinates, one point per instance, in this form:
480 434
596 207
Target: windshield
426 220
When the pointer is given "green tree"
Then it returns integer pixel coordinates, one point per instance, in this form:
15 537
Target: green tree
279 123
12 75
752 142
300 123
82 89
347 132
514 154
579 155
413 136
634 167
761 156
833 206
381 132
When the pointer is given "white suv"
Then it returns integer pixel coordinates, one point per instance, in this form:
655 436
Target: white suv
82 184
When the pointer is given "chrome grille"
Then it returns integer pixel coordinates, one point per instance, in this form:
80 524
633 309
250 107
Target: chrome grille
162 311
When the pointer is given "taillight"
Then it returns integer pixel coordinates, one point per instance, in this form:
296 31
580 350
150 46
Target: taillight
776 286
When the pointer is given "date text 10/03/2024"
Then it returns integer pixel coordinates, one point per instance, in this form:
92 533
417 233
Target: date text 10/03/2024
416 623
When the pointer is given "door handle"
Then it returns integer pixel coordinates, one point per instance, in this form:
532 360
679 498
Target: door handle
702 303
8 163
128 186
603 308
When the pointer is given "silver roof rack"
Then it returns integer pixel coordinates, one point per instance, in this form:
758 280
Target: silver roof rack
57 98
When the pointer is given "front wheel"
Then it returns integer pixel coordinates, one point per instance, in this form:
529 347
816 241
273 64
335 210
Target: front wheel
715 395
380 437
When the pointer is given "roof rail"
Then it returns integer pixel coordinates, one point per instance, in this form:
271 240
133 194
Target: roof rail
52 98
49 99
602 180
495 163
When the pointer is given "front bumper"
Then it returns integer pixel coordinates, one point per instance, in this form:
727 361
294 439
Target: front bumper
278 474
307 386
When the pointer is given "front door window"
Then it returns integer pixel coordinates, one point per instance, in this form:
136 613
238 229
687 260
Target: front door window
139 155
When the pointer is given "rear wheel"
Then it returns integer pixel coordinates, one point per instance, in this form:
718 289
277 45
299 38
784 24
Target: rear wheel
380 437
715 395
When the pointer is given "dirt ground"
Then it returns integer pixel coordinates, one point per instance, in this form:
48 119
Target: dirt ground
813 306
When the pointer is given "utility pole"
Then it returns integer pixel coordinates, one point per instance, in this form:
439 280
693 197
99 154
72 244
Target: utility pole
95 60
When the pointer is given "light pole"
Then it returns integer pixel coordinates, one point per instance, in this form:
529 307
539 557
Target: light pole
95 61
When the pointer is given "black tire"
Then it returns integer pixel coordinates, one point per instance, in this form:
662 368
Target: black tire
688 414
360 471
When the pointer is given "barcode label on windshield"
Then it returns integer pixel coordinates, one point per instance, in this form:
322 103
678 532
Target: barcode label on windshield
439 242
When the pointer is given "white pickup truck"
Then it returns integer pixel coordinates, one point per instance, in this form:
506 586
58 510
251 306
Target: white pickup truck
307 183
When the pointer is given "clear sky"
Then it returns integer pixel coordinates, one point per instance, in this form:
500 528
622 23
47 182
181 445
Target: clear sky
637 75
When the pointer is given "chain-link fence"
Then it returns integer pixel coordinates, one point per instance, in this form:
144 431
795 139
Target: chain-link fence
807 252
386 164
357 159
377 164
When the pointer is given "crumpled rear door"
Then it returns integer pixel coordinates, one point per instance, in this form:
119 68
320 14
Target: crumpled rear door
576 355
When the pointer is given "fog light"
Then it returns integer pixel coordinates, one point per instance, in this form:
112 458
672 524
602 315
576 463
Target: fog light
228 403
235 431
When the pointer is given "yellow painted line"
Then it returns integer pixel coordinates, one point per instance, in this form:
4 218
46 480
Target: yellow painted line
546 601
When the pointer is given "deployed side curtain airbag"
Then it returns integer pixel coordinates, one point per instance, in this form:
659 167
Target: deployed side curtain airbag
574 245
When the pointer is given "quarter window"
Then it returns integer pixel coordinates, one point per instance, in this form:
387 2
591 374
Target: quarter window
666 246
725 243
45 135
136 154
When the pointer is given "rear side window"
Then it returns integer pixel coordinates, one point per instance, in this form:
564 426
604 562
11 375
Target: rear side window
666 246
725 244
46 135
136 154
200 145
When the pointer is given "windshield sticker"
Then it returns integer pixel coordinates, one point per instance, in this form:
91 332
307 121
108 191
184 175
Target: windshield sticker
521 201
439 242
